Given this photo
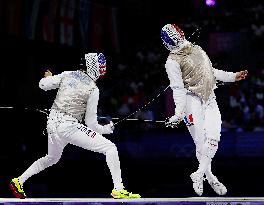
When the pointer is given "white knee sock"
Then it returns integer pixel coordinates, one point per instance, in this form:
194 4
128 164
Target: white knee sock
208 172
113 163
208 151
203 165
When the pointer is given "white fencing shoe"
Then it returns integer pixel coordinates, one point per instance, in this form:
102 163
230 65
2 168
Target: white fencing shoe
197 179
217 186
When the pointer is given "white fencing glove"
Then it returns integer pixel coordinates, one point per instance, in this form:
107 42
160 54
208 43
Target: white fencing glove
173 121
109 128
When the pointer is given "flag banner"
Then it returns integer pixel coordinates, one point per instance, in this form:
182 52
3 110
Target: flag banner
104 31
2 11
49 20
31 18
113 29
98 26
66 21
13 17
84 22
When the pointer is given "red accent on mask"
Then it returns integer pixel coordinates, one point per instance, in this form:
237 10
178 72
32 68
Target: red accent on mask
179 30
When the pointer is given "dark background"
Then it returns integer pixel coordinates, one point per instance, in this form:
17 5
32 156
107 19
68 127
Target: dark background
156 162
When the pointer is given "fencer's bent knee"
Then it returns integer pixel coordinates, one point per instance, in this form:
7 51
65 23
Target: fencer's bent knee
112 149
210 147
50 160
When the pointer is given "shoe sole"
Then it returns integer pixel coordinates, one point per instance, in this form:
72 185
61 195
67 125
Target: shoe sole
15 192
116 197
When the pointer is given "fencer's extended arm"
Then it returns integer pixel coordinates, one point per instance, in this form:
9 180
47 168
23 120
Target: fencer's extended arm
176 83
52 82
224 76
91 114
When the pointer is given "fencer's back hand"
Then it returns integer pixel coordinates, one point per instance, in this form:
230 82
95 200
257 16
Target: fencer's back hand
241 75
47 73
173 121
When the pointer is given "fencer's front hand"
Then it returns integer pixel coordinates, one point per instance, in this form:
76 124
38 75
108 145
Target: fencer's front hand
109 128
173 121
241 75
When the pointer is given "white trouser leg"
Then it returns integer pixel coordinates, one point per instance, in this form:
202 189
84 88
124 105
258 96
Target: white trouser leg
212 120
55 149
209 149
84 137
212 127
207 124
194 108
208 173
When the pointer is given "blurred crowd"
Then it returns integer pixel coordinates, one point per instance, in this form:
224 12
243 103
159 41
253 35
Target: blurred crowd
231 33
241 104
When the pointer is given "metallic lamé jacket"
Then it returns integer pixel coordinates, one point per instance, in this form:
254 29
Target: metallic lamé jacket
197 70
73 94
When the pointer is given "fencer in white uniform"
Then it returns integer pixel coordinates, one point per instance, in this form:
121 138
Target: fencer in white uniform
193 80
77 99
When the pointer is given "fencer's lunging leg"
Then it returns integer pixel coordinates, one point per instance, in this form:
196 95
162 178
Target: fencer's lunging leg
93 141
55 150
38 166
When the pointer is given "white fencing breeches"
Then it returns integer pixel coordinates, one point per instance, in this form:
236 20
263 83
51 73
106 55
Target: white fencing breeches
203 120
64 129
